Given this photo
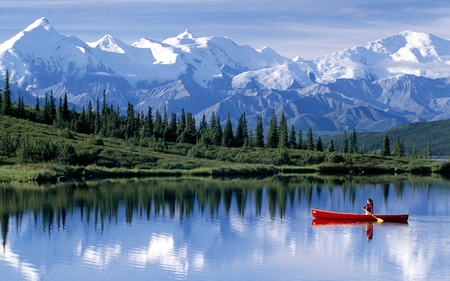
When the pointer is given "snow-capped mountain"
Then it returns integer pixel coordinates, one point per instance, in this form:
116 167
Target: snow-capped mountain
391 81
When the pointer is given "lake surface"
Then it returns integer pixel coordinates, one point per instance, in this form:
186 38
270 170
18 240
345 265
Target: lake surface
224 229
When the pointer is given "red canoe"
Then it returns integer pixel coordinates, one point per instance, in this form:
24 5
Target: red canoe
318 214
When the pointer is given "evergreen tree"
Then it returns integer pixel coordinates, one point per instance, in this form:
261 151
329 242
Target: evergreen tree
402 148
189 134
203 128
414 153
428 151
181 124
21 113
385 151
309 139
36 106
283 135
219 133
319 146
170 132
259 133
6 101
59 121
158 125
344 148
300 139
245 131
46 112
239 138
227 139
149 123
330 146
363 149
65 109
165 121
292 138
97 124
130 122
52 108
398 148
89 118
353 143
272 136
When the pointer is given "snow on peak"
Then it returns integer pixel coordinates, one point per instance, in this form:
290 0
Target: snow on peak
185 41
109 44
408 52
298 59
185 35
42 22
163 53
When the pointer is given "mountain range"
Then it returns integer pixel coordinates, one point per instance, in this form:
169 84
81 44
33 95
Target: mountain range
392 81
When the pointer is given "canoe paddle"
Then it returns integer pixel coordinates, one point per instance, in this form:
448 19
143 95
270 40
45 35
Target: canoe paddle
378 219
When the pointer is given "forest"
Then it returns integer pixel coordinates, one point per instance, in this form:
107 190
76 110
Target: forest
50 132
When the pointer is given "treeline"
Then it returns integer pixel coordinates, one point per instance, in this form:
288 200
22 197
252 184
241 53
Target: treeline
155 127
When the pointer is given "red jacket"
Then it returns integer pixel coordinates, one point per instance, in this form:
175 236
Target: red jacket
369 208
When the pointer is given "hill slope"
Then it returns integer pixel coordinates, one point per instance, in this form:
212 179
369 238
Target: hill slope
418 134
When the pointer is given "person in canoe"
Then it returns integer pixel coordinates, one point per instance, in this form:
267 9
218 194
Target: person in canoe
369 206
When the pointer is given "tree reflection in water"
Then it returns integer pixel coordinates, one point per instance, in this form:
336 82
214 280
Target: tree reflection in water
98 202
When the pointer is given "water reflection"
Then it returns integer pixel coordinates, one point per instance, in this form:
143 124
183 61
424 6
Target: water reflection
243 228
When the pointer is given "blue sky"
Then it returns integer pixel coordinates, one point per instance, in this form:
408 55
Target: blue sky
293 28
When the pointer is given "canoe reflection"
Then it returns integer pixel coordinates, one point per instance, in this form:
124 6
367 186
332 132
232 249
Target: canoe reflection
368 225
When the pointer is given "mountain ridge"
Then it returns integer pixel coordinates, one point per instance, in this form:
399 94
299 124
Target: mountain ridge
387 82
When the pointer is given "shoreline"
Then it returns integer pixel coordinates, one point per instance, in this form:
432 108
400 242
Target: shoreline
49 172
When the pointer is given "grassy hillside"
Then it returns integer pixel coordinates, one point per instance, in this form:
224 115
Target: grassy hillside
436 132
89 155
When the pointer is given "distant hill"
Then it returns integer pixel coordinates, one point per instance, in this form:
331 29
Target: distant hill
436 132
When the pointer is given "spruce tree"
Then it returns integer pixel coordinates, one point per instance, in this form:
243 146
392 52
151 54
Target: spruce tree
353 143
402 148
300 139
292 138
52 108
89 118
189 134
309 139
20 107
130 122
97 121
36 106
272 135
396 151
385 151
239 138
245 131
363 149
283 136
219 133
259 133
65 109
6 101
228 134
319 146
203 128
149 122
344 148
330 146
181 123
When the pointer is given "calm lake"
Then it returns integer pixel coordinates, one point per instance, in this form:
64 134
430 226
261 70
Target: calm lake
224 229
